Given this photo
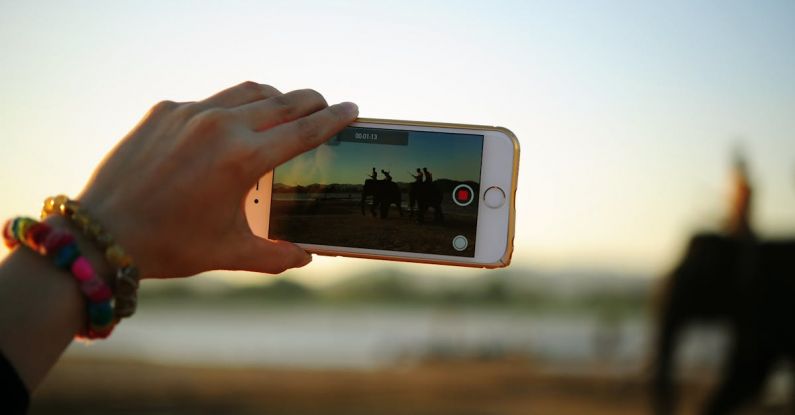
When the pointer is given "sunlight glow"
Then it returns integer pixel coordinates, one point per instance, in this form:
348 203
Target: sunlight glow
626 125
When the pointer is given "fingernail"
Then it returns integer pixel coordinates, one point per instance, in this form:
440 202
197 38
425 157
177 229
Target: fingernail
350 108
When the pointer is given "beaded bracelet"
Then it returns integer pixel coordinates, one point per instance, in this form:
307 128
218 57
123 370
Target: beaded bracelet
62 247
126 282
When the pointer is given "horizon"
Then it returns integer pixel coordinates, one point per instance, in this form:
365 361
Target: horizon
362 184
340 160
627 114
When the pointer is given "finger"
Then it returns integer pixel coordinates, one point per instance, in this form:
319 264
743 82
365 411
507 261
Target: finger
240 94
288 140
261 115
267 256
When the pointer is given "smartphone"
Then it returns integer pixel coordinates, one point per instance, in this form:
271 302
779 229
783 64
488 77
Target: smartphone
397 190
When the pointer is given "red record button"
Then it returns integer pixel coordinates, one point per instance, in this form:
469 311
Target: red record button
463 195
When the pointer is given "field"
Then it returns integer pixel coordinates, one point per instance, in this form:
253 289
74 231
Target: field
339 221
475 388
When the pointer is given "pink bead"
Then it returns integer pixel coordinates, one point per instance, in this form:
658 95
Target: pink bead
88 287
95 289
102 294
55 240
82 269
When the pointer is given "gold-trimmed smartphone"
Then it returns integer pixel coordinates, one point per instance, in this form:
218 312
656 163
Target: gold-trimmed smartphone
396 190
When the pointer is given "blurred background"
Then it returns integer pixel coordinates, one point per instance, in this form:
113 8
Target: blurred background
628 114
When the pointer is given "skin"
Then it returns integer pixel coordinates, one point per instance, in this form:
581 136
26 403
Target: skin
172 194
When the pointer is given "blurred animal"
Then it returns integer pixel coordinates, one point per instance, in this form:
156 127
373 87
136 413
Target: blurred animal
714 283
736 279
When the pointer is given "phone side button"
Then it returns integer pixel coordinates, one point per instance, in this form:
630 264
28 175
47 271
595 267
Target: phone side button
494 197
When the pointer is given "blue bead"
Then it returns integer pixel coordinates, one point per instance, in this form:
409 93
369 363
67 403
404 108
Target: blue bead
100 314
66 255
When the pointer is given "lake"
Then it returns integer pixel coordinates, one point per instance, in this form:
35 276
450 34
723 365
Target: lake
361 337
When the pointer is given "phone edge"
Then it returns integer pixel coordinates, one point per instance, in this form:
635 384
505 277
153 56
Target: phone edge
505 260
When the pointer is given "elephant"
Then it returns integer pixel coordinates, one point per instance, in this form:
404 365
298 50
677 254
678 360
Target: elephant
384 193
746 283
428 195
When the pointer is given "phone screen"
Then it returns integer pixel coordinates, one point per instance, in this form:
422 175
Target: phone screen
386 189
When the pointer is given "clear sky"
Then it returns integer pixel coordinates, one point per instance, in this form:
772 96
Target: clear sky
627 111
446 156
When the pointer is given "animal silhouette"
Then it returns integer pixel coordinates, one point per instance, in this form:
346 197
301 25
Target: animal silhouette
428 195
384 193
749 285
414 189
739 280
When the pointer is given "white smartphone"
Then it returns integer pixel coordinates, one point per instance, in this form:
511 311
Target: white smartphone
397 190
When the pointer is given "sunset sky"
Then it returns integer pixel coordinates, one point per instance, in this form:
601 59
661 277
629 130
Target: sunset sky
447 156
627 112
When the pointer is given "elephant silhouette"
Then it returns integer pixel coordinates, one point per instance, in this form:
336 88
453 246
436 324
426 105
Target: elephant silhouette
384 193
428 195
749 285
738 279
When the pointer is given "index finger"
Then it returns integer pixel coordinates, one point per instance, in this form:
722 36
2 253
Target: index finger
285 141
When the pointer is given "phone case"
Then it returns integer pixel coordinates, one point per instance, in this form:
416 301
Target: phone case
506 259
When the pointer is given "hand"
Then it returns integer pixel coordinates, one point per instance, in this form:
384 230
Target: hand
172 191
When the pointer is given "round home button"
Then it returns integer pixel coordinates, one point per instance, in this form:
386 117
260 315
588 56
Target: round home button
494 197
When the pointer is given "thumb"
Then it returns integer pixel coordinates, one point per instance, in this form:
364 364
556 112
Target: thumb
269 256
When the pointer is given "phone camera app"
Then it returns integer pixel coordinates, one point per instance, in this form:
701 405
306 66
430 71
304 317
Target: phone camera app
372 188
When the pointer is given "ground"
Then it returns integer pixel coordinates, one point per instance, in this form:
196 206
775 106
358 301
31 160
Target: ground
502 387
339 222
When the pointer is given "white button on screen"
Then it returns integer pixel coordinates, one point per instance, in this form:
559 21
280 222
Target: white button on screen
460 243
494 197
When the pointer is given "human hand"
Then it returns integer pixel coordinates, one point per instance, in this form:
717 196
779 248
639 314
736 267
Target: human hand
172 191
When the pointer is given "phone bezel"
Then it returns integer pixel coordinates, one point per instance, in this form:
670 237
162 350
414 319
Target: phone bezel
495 228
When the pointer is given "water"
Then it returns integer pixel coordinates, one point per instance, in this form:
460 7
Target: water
369 337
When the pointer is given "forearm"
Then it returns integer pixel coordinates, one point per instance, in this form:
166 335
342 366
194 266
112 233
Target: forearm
41 308
139 195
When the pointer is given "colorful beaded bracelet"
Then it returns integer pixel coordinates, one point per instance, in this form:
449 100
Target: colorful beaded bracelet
126 282
62 247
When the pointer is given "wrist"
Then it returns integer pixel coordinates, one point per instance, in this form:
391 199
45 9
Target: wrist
88 249
124 276
118 224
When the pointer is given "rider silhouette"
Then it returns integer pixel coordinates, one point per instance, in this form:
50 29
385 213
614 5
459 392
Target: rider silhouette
428 176
418 177
374 175
387 175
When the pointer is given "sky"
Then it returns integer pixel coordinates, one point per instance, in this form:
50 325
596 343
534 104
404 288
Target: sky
627 111
446 156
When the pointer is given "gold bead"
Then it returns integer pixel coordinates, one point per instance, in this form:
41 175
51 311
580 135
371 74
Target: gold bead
104 240
117 257
59 202
49 206
70 207
81 220
95 229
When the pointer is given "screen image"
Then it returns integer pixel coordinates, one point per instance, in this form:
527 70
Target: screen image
373 188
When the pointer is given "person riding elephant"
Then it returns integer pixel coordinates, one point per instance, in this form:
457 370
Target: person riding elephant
384 193
414 189
428 175
429 196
